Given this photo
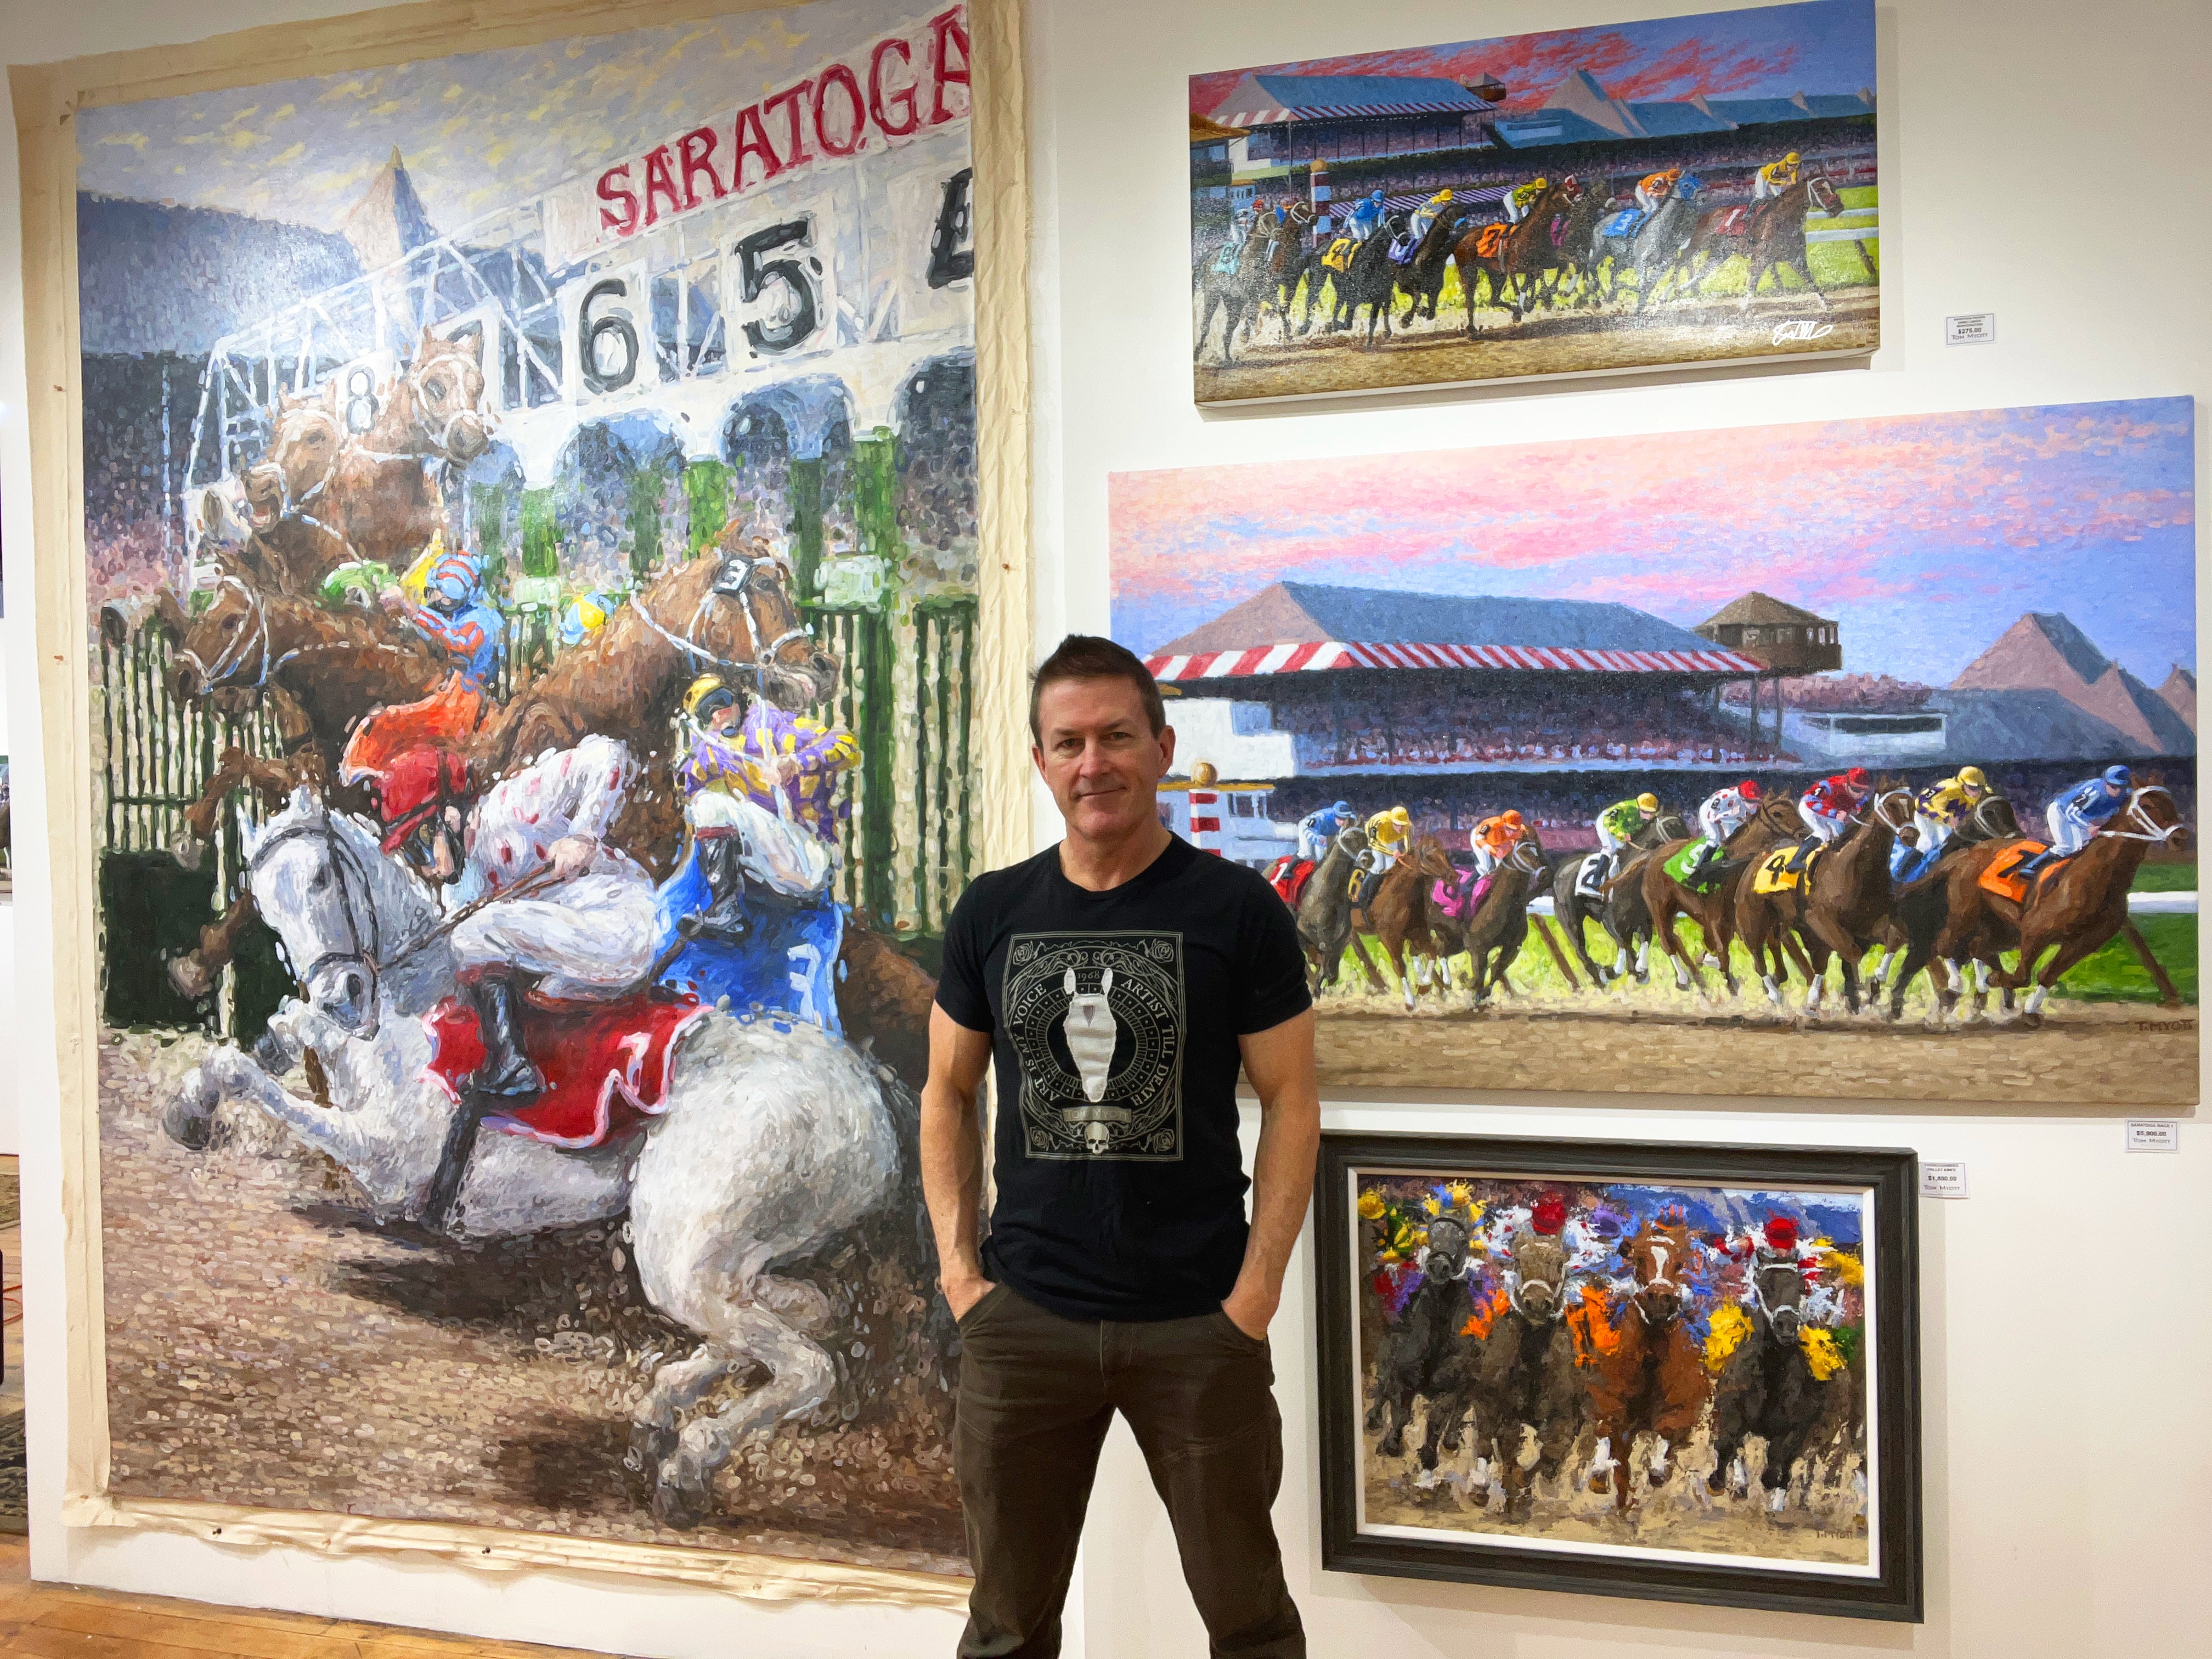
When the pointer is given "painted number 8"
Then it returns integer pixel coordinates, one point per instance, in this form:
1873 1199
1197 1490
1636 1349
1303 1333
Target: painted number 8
361 408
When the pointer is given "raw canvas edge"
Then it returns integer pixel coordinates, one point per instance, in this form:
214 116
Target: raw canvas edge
45 99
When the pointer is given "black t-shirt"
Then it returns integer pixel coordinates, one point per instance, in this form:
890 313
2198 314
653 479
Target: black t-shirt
1115 1016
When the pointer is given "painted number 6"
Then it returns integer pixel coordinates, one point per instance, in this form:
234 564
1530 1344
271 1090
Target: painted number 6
591 333
790 320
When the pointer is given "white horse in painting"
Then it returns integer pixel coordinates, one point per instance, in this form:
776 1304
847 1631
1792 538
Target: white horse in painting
774 1139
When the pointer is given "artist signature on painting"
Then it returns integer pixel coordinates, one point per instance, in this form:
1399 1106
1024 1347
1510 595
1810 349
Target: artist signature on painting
1802 328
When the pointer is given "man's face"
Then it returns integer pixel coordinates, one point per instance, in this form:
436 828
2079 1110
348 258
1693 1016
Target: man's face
1099 757
437 846
725 720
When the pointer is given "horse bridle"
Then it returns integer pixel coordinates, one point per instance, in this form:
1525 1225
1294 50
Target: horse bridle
340 443
442 440
2151 833
733 580
217 673
346 873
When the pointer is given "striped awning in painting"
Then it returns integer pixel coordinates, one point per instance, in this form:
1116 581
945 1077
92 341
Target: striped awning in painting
1269 116
1341 653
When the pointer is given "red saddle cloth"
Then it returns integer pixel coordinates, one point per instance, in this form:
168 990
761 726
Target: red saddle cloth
606 1065
1289 877
1733 222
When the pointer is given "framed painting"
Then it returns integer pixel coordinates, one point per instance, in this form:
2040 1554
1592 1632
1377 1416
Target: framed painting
1689 190
550 534
1711 763
1686 1373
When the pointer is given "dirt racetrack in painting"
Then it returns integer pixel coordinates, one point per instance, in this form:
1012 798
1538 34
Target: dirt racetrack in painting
2083 1054
269 1345
1439 353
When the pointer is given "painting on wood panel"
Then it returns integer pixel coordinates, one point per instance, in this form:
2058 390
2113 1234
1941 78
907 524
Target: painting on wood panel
1676 1371
1847 758
531 500
1684 190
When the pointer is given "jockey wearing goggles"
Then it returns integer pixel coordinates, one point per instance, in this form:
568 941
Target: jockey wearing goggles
760 787
1937 812
457 617
584 931
1318 830
1829 805
1722 813
2076 816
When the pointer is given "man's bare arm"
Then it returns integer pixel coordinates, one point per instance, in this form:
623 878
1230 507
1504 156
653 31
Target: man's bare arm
952 1155
1281 1063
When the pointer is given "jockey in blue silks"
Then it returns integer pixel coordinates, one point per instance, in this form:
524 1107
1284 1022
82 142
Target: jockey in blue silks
2078 814
459 618
1366 218
1317 831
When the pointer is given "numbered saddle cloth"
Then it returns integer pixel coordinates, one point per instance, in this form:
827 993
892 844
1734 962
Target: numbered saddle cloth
1732 222
1690 866
2003 875
784 969
1226 261
1623 223
606 1065
1339 257
1490 244
1289 877
1783 869
1460 899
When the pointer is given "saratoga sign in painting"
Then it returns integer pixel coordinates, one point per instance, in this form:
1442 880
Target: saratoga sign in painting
1677 190
531 502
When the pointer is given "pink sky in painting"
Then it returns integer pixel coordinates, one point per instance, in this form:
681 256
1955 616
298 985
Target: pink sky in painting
1924 535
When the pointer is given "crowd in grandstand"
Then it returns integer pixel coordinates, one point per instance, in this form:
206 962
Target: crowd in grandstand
1547 726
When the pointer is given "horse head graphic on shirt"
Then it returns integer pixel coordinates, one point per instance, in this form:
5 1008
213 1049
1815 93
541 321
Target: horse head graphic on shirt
1090 1032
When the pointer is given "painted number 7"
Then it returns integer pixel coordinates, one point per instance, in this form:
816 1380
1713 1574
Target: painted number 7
785 293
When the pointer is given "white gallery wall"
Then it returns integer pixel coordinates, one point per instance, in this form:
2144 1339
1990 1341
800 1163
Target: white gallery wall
2065 1334
2066 1469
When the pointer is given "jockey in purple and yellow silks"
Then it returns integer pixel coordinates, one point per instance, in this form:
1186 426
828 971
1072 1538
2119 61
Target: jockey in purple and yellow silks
763 753
457 617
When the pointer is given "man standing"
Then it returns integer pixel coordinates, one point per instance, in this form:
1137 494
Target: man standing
1120 978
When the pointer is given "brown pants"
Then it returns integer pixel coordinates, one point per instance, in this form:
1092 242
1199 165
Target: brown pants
1036 1393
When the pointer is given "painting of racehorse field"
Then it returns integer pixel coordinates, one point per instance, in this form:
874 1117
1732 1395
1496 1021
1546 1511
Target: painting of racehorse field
1637 1381
1635 195
531 502
1846 759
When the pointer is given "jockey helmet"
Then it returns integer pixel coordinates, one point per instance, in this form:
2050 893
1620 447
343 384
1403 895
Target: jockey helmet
707 694
457 578
1748 789
1342 809
1648 802
1791 159
413 789
1547 1215
1970 777
1781 1233
584 615
1513 818
1400 815
1856 777
2120 777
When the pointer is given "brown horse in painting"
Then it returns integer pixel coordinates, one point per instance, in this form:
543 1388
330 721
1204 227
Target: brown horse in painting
1838 910
1714 911
2077 909
1651 1376
1520 253
1773 238
1400 917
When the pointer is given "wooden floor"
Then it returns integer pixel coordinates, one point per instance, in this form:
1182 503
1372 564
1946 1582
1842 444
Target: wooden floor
56 1621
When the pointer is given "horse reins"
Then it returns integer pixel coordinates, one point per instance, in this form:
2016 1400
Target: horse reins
2152 834
733 580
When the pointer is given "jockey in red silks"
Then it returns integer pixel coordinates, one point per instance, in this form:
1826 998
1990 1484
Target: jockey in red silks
1829 805
583 931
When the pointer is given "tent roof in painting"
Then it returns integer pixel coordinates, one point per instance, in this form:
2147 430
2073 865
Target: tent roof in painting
2043 651
1760 610
1981 727
1295 627
1265 99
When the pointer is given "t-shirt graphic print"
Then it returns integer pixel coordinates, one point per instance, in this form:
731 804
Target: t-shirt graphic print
1098 1022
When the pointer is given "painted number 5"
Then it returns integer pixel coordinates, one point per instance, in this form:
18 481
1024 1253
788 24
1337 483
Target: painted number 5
783 293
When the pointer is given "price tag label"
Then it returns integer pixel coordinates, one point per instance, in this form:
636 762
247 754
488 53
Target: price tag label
1980 328
2154 1135
1943 1181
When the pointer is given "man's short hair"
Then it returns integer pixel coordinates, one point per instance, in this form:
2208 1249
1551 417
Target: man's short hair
1088 657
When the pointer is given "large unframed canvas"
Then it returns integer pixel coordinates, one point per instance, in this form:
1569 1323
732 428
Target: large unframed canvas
527 406
1677 190
1656 653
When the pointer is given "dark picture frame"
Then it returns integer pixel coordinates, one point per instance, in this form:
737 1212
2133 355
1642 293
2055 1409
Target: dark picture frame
1888 1176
